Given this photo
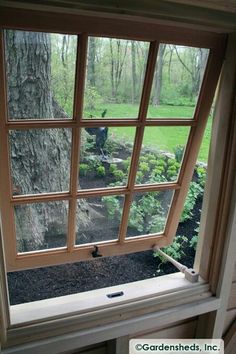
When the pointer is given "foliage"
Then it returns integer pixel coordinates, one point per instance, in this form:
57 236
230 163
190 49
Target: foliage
175 250
195 190
119 175
193 242
112 168
144 167
112 206
156 224
179 151
100 171
136 219
92 101
83 169
201 175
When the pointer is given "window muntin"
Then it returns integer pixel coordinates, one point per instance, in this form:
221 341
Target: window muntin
22 83
122 245
178 77
114 77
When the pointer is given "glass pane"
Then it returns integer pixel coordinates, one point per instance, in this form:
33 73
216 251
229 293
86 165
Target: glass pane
148 213
177 81
40 160
40 74
105 156
101 221
161 154
115 75
41 226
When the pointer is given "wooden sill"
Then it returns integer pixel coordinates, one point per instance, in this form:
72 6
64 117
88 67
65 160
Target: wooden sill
136 295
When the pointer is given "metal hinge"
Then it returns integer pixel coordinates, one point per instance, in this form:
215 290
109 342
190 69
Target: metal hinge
190 274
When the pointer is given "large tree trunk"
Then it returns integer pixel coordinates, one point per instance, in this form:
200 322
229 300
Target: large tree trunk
158 76
40 158
134 74
91 61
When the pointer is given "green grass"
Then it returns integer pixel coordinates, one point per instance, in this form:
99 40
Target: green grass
161 138
124 110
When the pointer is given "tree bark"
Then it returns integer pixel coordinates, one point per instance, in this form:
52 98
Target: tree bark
91 62
158 75
40 158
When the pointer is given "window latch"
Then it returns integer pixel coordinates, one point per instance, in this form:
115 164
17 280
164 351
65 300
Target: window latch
95 252
190 274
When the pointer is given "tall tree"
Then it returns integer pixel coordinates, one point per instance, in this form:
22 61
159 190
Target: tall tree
134 74
194 64
91 62
40 158
158 75
118 51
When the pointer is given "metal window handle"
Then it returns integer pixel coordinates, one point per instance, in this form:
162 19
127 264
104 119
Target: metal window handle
189 273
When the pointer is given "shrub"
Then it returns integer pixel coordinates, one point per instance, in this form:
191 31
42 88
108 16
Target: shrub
83 169
112 206
126 163
156 224
112 168
195 190
193 242
179 151
153 163
171 162
201 175
119 175
175 250
144 167
136 219
100 171
139 177
161 163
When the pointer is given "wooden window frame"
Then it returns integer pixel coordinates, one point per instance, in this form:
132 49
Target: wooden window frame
157 308
71 252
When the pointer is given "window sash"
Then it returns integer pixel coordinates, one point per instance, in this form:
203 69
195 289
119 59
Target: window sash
74 253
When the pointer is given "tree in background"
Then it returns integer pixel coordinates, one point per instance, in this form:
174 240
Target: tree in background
40 158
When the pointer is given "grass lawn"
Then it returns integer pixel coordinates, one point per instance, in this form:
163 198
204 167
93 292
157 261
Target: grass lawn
162 138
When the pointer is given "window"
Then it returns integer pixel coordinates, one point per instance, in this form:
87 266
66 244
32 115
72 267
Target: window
69 315
62 121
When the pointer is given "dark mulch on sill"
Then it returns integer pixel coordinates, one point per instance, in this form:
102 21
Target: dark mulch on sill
49 282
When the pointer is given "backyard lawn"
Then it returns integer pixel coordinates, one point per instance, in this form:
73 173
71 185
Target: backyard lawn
162 138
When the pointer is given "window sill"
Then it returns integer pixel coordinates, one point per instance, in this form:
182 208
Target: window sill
159 291
91 317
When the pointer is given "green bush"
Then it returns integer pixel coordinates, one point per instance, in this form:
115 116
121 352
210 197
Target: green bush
144 167
153 163
83 169
175 250
112 168
161 163
201 175
119 175
136 220
112 206
195 190
179 151
156 224
126 163
100 171
139 177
